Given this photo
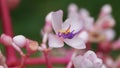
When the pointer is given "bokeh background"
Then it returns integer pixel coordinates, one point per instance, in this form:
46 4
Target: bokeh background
29 17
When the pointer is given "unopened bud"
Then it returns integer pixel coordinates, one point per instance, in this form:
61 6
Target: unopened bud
72 7
5 39
106 9
19 40
84 13
48 24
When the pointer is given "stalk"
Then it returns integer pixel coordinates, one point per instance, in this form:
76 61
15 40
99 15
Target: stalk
7 29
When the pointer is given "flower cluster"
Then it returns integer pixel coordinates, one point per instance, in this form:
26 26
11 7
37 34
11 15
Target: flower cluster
79 31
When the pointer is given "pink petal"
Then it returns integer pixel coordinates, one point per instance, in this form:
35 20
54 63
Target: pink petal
86 63
90 55
109 34
84 36
98 63
104 66
49 17
5 39
106 9
72 7
75 24
72 11
77 61
88 23
1 66
116 44
83 13
54 41
57 20
76 43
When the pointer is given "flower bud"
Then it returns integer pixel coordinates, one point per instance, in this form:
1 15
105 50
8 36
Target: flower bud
84 13
19 40
48 24
5 39
106 9
72 7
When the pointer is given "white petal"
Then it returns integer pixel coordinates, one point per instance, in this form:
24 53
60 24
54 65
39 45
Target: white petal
86 63
109 34
49 17
83 13
19 40
76 43
54 41
72 7
72 11
88 23
98 63
57 20
77 61
1 66
90 55
75 24
106 9
104 66
83 35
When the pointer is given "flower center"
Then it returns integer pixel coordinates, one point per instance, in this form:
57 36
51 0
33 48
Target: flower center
66 34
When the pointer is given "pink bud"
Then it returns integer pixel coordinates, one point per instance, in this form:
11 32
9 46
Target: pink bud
116 45
84 13
106 9
48 17
72 7
19 40
48 24
5 39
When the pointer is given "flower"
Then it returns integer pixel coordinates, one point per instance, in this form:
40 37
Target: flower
66 32
1 66
88 60
2 61
82 14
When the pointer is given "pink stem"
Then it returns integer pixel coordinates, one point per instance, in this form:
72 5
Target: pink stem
47 59
7 29
54 60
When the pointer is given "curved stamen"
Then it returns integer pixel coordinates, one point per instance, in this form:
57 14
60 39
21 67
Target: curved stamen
66 34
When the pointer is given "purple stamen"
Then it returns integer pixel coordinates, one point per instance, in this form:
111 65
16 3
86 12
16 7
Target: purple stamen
69 35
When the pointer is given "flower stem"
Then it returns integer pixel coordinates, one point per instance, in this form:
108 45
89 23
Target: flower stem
47 59
70 64
7 29
54 60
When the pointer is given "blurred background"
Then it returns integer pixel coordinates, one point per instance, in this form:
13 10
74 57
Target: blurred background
29 17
